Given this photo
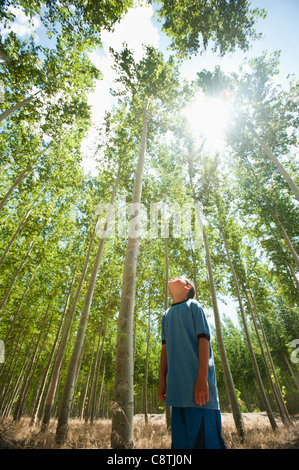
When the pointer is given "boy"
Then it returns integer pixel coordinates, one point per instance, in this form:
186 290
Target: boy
187 361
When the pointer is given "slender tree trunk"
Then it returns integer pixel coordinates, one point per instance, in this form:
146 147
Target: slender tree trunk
101 392
4 300
93 377
167 408
277 396
18 309
17 231
123 407
69 386
14 185
230 386
87 387
223 356
146 361
278 165
286 239
33 365
10 367
4 56
59 358
41 398
249 343
94 402
276 382
64 339
10 400
293 373
17 106
94 382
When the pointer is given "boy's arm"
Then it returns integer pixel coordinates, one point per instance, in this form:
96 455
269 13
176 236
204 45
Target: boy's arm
201 388
163 374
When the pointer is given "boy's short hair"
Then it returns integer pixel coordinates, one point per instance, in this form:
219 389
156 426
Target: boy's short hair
191 292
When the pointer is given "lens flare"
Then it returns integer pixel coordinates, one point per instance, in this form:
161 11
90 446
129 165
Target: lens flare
209 118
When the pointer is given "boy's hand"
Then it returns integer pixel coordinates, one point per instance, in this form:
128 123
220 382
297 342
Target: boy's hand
162 391
201 391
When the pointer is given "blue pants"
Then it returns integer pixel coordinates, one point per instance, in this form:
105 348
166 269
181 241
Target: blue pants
196 428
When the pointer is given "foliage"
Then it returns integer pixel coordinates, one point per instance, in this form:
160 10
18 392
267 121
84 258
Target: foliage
193 25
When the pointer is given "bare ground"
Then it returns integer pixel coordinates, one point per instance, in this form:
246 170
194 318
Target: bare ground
151 436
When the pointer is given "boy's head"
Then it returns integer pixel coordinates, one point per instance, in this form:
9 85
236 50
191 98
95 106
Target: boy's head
181 288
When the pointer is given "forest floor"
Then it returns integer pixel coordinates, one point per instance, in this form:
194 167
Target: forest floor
154 435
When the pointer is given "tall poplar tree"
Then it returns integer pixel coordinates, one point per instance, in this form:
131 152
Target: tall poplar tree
153 88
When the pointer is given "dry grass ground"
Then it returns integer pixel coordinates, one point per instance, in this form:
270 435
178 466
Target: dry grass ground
151 436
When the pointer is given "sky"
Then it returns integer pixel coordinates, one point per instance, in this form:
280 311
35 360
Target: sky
280 31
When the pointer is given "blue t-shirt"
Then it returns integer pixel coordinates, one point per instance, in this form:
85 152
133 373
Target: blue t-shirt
182 326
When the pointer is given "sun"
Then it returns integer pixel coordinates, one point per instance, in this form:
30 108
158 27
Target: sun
208 118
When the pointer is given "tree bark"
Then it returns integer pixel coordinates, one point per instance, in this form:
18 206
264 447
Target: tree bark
14 185
278 165
286 239
146 361
249 343
236 410
167 408
276 393
33 365
4 300
123 405
69 386
64 339
17 106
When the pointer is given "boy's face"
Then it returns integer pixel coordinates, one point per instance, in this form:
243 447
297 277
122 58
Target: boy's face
178 287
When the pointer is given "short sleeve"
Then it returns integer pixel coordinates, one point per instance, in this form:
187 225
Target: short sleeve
163 330
201 326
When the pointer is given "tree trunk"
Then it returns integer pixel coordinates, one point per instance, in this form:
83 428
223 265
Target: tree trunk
146 361
278 165
10 367
167 408
18 231
64 339
69 386
223 356
17 106
41 398
4 300
230 386
293 373
123 406
101 391
286 239
286 413
249 343
277 396
14 185
94 399
33 365
88 387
